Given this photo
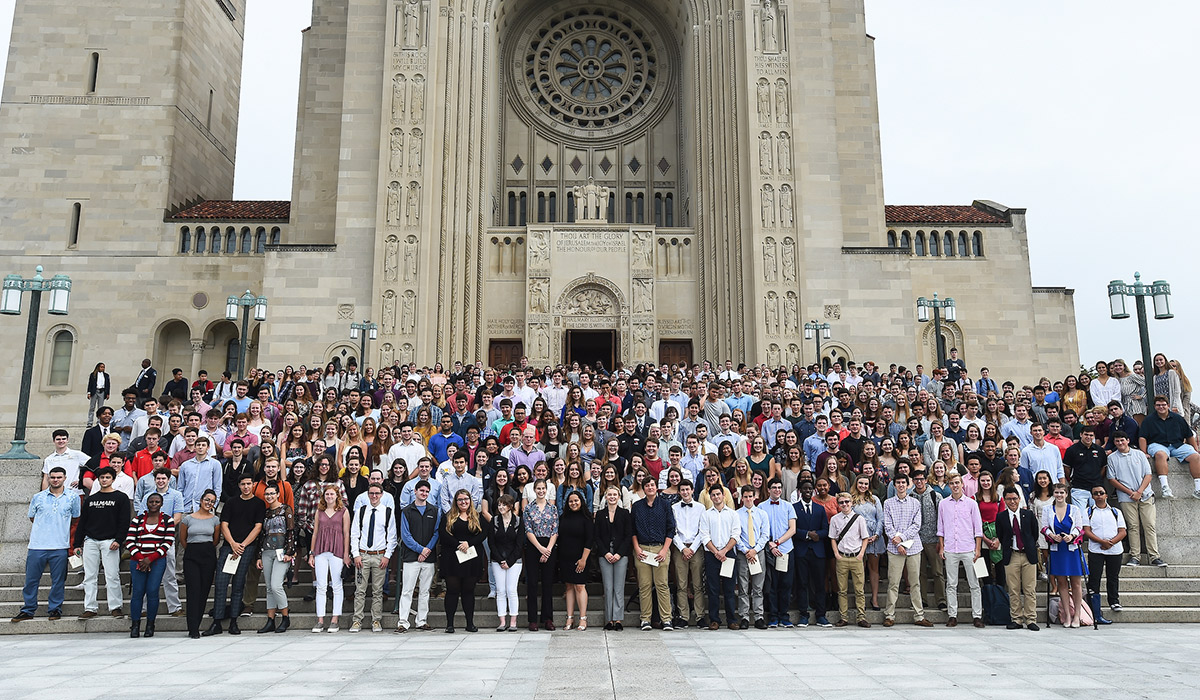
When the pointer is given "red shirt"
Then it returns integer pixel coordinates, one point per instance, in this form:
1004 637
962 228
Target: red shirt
142 463
654 466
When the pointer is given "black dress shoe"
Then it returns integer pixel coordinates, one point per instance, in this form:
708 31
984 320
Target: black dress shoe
135 630
284 623
608 626
149 629
760 624
215 628
194 635
310 597
471 628
233 626
269 627
449 629
1013 626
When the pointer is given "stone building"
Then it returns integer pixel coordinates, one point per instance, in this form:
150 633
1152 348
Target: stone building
607 180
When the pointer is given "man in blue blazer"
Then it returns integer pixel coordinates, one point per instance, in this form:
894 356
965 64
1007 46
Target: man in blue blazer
808 557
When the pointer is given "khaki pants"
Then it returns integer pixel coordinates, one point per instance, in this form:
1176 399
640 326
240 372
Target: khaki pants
656 578
897 563
845 568
369 575
1021 577
1141 521
688 578
933 573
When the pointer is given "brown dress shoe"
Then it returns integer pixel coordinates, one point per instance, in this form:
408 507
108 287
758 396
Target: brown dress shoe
889 622
714 625
87 614
734 626
922 623
118 613
841 623
548 625
533 627
978 623
952 622
867 625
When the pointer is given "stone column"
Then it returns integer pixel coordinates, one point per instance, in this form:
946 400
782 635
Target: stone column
197 357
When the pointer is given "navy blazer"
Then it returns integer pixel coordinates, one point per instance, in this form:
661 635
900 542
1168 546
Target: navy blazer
817 522
1029 534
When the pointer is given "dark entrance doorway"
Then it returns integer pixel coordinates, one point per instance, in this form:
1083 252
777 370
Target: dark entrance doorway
502 353
592 347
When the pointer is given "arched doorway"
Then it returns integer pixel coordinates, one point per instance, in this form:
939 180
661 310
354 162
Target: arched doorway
592 312
172 348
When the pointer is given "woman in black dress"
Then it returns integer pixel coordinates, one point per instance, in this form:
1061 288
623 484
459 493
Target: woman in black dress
575 545
463 537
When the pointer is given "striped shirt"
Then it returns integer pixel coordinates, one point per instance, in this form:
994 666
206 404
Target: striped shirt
147 541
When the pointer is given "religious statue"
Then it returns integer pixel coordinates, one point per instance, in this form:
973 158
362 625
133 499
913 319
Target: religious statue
772 308
539 249
414 152
793 355
410 259
773 359
538 298
590 201
386 355
393 204
418 99
413 208
770 27
541 342
396 149
590 302
643 252
769 265
643 296
389 312
390 251
785 206
768 206
785 154
398 85
789 256
764 100
408 312
764 154
789 314
781 101
406 353
643 334
412 30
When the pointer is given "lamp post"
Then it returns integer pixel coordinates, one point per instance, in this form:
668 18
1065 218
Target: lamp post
245 302
59 287
365 330
817 331
1161 291
923 307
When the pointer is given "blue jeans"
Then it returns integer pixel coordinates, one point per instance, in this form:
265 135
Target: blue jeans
36 561
719 587
145 584
1082 498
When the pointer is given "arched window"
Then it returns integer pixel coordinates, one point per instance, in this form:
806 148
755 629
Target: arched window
670 209
260 240
231 355
200 248
552 203
570 207
962 244
641 208
522 209
611 214
230 241
185 240
934 244
245 248
93 72
629 207
906 241
949 244
921 243
76 218
658 209
541 207
512 208
60 358
275 235
891 239
216 241
977 244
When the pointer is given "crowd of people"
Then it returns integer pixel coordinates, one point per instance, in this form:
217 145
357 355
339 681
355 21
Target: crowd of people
745 497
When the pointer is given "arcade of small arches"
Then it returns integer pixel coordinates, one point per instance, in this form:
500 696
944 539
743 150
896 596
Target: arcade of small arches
937 244
227 240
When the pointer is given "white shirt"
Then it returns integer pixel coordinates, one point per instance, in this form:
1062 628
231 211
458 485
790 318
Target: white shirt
556 398
385 532
99 381
719 526
1105 526
409 453
687 525
71 460
385 501
180 443
123 483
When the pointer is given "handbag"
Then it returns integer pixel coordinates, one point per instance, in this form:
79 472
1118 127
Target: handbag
989 531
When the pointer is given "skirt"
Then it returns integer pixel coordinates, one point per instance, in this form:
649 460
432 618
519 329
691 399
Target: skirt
1065 563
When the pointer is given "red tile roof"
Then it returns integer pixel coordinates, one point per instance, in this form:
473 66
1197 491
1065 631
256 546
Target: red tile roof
236 210
943 214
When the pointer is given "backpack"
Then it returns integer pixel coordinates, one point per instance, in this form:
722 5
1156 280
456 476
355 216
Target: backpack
1054 611
995 605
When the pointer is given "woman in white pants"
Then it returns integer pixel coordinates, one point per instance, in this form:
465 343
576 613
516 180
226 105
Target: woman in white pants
507 544
330 551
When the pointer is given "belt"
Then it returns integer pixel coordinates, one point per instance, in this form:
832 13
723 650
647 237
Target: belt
375 551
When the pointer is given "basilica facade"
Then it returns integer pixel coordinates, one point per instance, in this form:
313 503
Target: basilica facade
662 180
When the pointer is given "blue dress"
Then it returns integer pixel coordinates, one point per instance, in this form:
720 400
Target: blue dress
1064 559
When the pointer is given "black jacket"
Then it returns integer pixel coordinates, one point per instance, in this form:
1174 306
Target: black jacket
507 543
613 537
1029 534
421 526
91 388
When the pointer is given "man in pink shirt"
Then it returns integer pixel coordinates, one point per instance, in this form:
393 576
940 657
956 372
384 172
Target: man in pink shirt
960 534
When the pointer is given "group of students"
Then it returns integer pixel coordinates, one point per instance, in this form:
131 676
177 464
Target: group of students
776 487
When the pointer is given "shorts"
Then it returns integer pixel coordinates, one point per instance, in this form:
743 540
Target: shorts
1180 453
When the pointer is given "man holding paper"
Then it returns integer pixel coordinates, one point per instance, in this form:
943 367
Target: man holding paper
241 523
719 532
755 534
782 519
960 535
653 530
688 565
902 524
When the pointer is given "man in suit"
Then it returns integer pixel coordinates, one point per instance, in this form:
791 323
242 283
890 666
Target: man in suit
93 436
812 532
145 382
1016 528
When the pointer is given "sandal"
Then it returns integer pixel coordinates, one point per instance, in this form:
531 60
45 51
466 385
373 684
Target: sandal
582 623
568 627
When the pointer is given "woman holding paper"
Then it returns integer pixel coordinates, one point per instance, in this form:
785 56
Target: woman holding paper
462 558
278 548
1063 525
575 546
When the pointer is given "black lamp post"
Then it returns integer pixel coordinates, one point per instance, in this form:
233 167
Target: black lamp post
1161 291
817 331
363 330
245 302
938 305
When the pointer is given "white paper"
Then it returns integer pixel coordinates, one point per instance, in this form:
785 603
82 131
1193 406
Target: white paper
781 564
650 558
467 555
75 562
727 568
907 544
755 567
279 555
231 565
981 570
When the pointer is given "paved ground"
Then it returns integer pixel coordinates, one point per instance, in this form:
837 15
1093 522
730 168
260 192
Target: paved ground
874 664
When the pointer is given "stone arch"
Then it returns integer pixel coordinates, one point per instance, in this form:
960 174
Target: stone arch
835 351
172 348
954 338
592 281
341 352
60 359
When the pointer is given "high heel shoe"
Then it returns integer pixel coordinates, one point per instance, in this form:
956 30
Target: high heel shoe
569 626
582 623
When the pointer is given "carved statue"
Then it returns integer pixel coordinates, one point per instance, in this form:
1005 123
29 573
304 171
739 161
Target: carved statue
414 152
539 298
589 302
539 249
643 335
789 254
764 100
398 85
770 26
789 314
541 341
387 353
785 154
764 154
412 211
418 99
390 263
389 312
591 201
410 259
782 113
793 355
773 359
396 148
772 309
769 262
412 30
785 206
393 204
643 251
643 296
406 353
768 206
408 312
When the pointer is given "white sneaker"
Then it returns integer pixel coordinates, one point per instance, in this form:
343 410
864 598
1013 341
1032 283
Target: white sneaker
333 629
1196 493
316 628
492 594
376 627
1166 492
356 627
78 586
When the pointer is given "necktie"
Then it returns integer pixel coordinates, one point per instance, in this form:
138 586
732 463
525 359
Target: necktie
750 525
371 530
1017 531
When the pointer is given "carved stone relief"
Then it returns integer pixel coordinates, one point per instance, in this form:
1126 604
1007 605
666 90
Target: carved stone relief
643 341
346 311
786 206
396 151
643 296
770 27
770 266
408 312
782 111
785 154
541 340
406 353
790 316
643 250
789 259
773 359
539 248
590 302
764 100
833 311
418 99
415 145
412 210
771 305
793 354
408 25
764 155
399 85
539 296
393 204
391 254
387 355
768 206
389 313
591 201
410 259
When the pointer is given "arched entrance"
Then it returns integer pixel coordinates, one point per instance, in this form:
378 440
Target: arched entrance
172 348
591 313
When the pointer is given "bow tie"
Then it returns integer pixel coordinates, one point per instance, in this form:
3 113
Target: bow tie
686 505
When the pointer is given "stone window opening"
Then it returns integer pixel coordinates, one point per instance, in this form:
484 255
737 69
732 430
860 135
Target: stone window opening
949 248
921 243
230 241
93 72
891 239
62 346
185 240
76 218
977 244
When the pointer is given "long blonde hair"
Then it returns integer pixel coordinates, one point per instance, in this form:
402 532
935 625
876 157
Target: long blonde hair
472 514
1183 380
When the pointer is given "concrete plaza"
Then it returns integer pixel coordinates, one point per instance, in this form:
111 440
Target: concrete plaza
1148 660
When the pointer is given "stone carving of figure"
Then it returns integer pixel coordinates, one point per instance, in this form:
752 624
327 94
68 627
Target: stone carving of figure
643 253
539 249
769 263
408 312
393 204
414 152
789 258
643 334
781 101
768 206
387 354
591 200
410 259
764 154
412 211
538 298
389 312
770 25
541 342
390 262
643 296
590 301
412 30
418 99
764 100
789 313
793 355
785 207
396 148
772 309
398 85
406 353
773 359
785 154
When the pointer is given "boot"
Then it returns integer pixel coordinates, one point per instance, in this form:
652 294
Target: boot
149 628
215 628
233 626
283 624
1100 619
269 627
135 630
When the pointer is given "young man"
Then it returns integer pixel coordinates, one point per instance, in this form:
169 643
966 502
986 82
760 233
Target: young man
72 461
933 569
849 534
1017 530
372 542
51 512
1084 466
460 479
1105 529
1039 455
781 516
1165 434
960 538
103 524
902 524
1129 475
808 558
419 529
198 474
241 523
94 434
719 532
653 528
688 565
755 534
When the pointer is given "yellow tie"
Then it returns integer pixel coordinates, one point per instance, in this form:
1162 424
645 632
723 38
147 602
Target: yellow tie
750 525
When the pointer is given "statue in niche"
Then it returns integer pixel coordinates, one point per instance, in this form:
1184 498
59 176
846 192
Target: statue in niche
789 313
414 152
539 249
541 341
412 30
789 256
539 298
786 216
781 101
390 262
408 312
769 263
643 296
764 100
387 353
589 302
770 27
772 316
785 154
398 85
389 312
768 206
396 150
591 200
793 355
406 353
410 259
764 154
412 211
643 335
773 359
418 99
643 252
393 204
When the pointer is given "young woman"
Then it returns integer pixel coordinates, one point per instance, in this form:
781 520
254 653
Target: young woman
572 429
574 482
304 402
329 552
370 437
877 485
613 539
904 443
757 482
610 477
551 439
522 480
256 416
541 532
424 425
741 477
506 543
760 460
990 505
973 443
1042 496
612 457
726 456
1133 392
278 548
575 546
938 481
150 535
574 404
462 536
793 465
1104 388
499 487
354 481
1064 531
1073 398
870 509
198 536
1167 383
1009 480
587 445
947 456
887 455
295 446
821 496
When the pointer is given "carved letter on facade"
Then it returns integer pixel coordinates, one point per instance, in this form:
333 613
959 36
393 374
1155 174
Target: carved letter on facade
764 154
390 258
408 313
389 312
410 259
769 260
